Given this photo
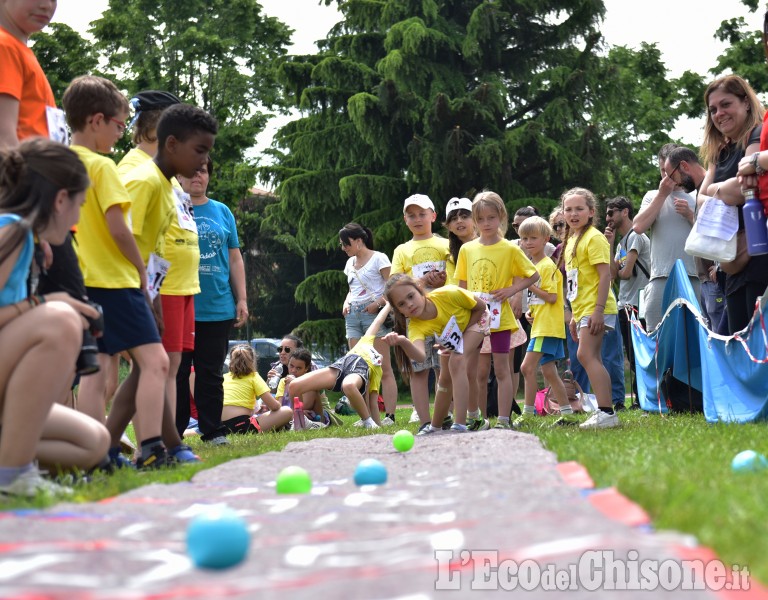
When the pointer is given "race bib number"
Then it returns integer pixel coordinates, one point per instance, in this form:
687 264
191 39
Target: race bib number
423 268
572 279
452 338
533 299
157 270
57 125
375 356
184 211
494 308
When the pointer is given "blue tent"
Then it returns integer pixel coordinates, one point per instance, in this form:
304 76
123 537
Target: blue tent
731 372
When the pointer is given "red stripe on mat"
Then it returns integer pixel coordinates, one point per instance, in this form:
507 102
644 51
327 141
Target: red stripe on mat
575 474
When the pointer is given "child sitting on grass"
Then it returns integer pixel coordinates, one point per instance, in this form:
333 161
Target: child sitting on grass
317 409
357 375
242 385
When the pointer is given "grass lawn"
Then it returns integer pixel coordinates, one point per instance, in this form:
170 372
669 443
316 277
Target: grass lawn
677 468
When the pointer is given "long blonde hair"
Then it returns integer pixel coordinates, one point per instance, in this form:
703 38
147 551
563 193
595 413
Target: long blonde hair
242 361
714 141
489 199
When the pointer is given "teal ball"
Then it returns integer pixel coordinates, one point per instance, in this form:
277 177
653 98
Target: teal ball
748 461
370 472
217 539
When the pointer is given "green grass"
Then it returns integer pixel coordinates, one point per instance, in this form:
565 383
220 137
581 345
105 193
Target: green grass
677 468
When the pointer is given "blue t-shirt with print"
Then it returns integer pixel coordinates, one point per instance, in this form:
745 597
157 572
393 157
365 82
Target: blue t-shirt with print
15 288
216 234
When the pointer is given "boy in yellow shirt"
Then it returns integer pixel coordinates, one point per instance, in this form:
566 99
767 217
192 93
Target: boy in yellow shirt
113 270
545 299
423 257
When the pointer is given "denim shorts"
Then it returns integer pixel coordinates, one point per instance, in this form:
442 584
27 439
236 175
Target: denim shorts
610 322
358 321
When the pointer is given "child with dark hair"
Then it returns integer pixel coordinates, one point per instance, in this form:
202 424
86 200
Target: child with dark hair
242 386
317 409
42 187
166 232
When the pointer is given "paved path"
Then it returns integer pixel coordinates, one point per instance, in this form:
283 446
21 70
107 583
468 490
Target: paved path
496 491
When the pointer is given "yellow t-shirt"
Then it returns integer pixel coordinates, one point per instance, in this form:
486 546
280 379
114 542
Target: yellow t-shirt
450 301
134 158
488 268
243 391
593 249
365 350
450 272
547 318
101 261
417 257
179 245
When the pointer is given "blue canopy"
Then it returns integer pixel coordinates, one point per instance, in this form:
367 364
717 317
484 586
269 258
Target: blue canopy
731 372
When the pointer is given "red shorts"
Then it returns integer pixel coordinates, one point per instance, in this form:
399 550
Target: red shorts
179 318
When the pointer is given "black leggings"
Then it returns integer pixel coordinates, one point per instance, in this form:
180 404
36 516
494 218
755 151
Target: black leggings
740 305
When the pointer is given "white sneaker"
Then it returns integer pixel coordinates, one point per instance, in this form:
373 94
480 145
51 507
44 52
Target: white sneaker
370 425
315 425
414 417
386 422
600 420
426 429
358 423
30 482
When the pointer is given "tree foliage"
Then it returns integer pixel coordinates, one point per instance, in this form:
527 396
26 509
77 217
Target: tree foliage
63 54
212 53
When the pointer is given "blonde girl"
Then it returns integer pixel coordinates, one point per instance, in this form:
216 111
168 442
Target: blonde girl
586 255
449 313
242 385
488 267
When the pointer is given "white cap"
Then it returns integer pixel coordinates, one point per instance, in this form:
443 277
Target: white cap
455 204
420 200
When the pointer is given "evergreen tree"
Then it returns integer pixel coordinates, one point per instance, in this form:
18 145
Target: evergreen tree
63 54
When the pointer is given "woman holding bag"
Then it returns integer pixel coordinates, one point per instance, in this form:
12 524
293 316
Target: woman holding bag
367 272
732 131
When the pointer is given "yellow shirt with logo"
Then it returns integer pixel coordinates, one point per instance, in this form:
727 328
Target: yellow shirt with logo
487 268
548 318
592 249
101 261
450 301
422 254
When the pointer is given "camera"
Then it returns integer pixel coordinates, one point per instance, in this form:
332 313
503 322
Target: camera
88 359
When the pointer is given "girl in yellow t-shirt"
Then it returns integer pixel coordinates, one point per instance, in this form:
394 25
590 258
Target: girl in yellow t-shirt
242 385
497 269
456 318
587 256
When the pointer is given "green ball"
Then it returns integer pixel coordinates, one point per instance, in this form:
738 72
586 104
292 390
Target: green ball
293 480
403 440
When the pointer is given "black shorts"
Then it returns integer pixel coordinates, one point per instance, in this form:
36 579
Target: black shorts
242 425
351 364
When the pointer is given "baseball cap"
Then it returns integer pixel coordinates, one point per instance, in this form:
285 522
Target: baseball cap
455 204
153 100
420 200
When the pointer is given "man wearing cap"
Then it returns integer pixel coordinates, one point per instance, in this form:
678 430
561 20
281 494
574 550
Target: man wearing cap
423 257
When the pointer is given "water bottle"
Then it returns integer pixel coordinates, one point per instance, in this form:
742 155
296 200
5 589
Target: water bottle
755 224
274 381
298 414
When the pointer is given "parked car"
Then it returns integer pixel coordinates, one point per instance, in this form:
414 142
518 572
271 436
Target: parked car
266 353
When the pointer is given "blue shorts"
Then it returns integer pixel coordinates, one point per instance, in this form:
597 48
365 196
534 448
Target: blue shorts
358 321
551 348
128 320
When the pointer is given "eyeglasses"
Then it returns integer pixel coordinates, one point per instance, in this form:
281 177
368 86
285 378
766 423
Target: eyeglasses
286 349
610 212
559 225
674 170
121 127
515 226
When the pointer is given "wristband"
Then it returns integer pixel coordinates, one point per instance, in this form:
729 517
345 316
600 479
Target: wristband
756 164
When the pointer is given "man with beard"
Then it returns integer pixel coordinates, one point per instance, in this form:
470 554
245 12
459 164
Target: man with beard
630 265
668 213
688 173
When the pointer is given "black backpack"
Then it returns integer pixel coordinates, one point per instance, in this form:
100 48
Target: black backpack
679 396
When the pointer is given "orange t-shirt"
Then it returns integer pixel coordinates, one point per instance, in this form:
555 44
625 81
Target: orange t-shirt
23 79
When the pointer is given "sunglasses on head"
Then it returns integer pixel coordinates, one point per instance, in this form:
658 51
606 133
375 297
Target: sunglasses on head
286 349
559 225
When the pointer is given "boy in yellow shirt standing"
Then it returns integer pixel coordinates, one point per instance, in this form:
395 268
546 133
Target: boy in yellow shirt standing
545 299
423 257
113 270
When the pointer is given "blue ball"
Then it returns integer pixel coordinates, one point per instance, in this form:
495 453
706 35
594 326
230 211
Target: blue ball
218 539
748 461
370 472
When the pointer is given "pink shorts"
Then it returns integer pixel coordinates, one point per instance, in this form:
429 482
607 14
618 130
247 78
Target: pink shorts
179 319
